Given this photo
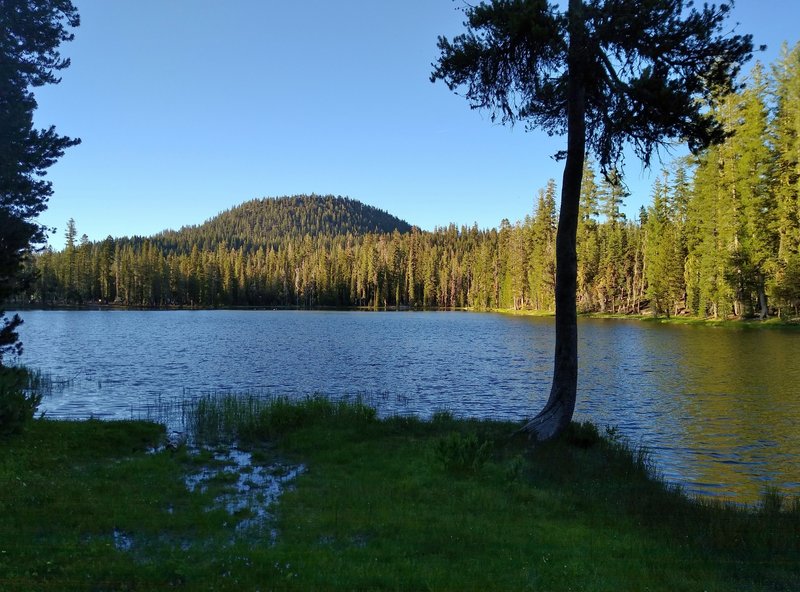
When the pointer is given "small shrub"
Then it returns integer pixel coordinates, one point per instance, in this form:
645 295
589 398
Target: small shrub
582 435
514 469
18 399
461 453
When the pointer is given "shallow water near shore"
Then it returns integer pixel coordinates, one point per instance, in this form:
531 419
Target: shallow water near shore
717 407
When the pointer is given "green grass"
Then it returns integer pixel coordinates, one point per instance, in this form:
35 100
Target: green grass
732 323
395 504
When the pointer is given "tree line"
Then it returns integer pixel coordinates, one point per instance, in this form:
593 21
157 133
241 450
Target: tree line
509 267
720 237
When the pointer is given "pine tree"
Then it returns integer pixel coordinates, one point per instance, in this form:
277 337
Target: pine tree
756 240
613 244
607 76
786 135
31 33
542 251
663 261
518 258
70 271
588 246
713 215
679 198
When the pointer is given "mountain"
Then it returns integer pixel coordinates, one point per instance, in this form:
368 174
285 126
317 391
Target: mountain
263 222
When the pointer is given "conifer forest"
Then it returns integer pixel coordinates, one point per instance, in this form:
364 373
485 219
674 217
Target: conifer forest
720 238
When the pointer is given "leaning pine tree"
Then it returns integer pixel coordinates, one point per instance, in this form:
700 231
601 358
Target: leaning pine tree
608 73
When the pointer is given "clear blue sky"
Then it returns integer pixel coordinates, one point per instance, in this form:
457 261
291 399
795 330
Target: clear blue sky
189 107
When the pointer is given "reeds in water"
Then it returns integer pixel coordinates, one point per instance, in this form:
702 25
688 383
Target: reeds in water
229 417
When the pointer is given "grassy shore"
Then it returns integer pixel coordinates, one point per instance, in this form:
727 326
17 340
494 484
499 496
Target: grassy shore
736 323
393 504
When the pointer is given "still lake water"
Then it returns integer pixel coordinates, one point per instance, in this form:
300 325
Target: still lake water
719 408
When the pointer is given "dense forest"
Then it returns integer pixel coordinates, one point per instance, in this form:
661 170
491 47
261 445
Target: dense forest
721 237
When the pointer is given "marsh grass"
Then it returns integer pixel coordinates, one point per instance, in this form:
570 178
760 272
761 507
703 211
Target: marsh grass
250 418
396 503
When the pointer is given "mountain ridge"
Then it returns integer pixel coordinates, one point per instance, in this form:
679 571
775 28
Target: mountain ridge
266 221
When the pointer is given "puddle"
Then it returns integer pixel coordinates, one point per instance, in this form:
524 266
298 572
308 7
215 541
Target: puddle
249 490
122 540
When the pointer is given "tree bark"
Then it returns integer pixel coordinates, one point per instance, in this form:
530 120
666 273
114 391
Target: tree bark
762 298
560 406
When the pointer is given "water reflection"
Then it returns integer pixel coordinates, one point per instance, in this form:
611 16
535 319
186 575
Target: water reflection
718 407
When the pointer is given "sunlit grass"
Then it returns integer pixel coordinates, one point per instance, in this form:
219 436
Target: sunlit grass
792 323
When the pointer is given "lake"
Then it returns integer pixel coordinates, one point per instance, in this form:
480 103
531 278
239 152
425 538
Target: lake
718 407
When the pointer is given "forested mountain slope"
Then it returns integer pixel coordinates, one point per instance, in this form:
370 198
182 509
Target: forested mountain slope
269 221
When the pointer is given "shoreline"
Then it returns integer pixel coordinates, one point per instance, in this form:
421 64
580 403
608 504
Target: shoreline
732 323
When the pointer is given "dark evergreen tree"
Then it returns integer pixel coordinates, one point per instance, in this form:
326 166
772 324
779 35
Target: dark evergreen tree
31 32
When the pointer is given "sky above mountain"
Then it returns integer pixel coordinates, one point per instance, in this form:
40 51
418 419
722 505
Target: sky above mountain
189 107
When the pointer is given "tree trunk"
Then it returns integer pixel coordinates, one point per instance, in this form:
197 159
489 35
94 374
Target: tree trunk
762 298
558 410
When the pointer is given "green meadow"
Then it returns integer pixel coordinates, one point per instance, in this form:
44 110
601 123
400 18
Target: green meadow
365 503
